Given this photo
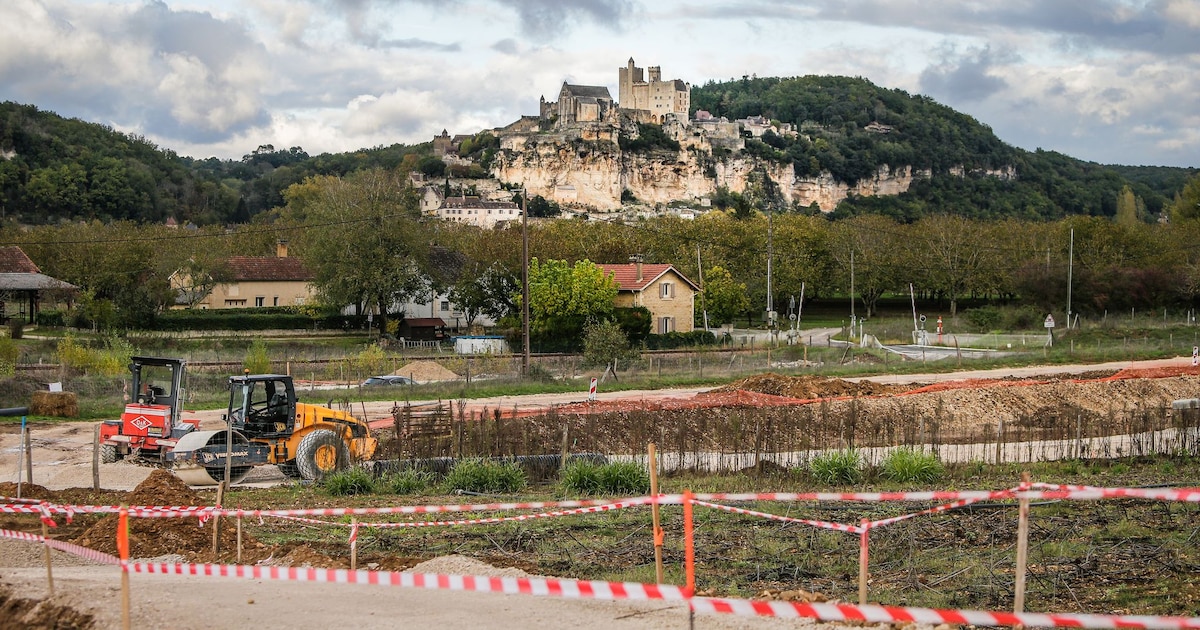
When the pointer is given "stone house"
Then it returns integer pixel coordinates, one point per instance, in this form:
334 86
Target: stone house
667 294
256 281
479 212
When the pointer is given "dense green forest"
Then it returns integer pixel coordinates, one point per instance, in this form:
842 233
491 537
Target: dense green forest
54 169
851 127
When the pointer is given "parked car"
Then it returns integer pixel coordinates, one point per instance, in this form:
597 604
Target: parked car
388 379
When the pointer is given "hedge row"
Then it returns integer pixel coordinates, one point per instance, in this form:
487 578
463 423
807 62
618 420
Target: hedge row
267 318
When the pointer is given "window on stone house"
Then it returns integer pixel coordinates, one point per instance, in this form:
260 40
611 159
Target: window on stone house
668 290
445 305
260 300
666 325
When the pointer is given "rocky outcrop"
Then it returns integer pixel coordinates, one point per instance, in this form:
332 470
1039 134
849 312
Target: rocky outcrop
592 174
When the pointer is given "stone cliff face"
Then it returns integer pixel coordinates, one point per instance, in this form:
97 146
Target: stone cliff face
593 174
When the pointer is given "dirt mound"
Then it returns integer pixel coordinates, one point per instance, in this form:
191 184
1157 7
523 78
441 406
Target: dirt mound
152 537
28 491
425 371
809 387
34 614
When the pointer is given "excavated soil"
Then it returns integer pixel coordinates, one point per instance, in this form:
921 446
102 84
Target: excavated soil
33 614
155 537
425 371
809 387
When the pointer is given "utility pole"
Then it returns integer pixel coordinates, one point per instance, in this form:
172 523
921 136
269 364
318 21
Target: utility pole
1070 268
703 301
852 285
525 283
770 252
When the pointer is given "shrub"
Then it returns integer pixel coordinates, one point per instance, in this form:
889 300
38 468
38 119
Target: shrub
837 467
405 482
613 478
481 475
257 361
110 360
908 465
349 482
10 353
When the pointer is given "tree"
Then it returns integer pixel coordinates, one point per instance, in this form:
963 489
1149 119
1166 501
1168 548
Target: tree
1187 202
604 342
1127 207
366 243
564 297
724 298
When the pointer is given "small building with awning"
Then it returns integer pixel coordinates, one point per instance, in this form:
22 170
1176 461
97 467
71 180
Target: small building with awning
23 287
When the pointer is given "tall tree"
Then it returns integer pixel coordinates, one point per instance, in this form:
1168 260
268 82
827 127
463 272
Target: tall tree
365 243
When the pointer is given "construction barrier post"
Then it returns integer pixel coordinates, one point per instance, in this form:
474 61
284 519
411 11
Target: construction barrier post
353 543
239 537
21 457
1022 547
96 459
862 562
123 553
28 454
46 546
217 520
658 531
689 545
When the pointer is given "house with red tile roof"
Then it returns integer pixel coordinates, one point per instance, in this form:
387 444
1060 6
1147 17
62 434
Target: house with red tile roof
23 287
253 281
663 290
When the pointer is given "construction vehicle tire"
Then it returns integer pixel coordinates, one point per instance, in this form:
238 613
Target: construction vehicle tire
108 454
320 453
290 469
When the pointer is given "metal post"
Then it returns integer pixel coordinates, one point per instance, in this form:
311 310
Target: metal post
1070 269
658 531
96 459
525 283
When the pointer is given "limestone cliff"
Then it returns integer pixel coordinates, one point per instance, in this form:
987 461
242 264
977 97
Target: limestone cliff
592 173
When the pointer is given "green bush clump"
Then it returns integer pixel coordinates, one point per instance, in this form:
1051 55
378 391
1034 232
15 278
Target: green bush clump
350 482
404 482
907 465
614 478
837 467
481 475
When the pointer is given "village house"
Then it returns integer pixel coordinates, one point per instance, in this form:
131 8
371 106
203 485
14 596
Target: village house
254 281
667 294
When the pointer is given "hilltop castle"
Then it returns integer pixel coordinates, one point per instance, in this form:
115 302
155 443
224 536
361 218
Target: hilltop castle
643 100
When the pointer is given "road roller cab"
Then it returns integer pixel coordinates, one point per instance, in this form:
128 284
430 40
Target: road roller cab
306 441
151 424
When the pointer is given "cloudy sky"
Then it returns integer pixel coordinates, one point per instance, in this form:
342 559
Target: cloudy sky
1113 81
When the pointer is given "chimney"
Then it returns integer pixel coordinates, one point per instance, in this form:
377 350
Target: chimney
637 259
281 248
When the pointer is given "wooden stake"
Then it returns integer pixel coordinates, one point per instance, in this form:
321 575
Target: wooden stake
566 443
96 459
863 562
49 571
353 543
658 531
239 538
28 455
21 458
1022 548
217 521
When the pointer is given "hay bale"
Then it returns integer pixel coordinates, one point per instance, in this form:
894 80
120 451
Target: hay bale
56 404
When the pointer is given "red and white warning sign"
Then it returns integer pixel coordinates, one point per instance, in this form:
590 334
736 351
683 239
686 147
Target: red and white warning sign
592 390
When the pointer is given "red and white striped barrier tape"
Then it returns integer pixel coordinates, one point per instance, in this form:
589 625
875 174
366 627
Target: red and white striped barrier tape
1085 493
480 584
66 547
889 614
841 527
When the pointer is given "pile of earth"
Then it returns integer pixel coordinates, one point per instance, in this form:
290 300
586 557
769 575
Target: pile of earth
32 614
809 387
426 371
186 537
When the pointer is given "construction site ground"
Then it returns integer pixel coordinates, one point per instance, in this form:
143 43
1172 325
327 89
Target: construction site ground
87 595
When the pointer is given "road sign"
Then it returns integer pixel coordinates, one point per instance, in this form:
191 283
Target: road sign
1049 321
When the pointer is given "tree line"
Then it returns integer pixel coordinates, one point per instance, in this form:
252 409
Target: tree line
367 245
